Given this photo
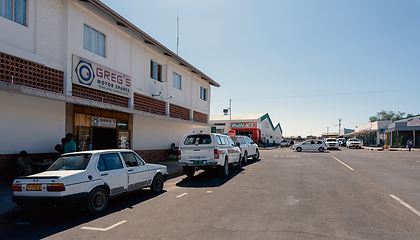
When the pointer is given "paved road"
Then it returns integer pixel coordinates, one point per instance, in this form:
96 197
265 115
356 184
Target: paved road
344 194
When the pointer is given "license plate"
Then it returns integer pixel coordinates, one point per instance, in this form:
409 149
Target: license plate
34 187
198 162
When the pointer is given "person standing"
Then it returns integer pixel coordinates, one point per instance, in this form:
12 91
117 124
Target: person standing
409 144
70 145
89 144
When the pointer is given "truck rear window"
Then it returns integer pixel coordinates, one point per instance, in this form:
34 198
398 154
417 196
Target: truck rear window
197 139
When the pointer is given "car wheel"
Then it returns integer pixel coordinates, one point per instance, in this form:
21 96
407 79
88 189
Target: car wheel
240 162
298 149
157 184
98 200
245 157
224 170
189 171
321 149
257 155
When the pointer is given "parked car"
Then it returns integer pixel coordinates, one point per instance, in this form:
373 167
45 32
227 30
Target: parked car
208 151
247 146
310 145
285 143
331 143
354 142
88 178
341 142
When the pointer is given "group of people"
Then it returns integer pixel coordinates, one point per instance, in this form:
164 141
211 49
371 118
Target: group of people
67 144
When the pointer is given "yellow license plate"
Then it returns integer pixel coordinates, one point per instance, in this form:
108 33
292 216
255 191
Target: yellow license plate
34 187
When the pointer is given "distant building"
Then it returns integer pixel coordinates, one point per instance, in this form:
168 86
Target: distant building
402 130
255 125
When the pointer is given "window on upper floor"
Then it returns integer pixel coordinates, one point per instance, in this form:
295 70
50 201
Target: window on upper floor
94 41
203 93
176 81
14 10
155 71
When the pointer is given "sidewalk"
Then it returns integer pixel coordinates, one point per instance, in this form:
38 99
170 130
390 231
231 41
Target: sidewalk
403 149
6 193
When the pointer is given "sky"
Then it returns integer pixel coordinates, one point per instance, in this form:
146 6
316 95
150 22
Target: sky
307 63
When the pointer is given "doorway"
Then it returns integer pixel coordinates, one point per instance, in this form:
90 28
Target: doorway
104 138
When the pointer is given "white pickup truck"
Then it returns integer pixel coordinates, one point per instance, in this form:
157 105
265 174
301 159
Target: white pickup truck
353 142
207 151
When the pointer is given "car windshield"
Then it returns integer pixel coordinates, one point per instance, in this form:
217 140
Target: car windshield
197 139
71 162
331 140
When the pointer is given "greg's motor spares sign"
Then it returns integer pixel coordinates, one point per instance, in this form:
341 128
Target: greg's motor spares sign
92 75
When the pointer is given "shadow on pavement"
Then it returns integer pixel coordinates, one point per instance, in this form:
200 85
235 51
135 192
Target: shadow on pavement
210 178
42 223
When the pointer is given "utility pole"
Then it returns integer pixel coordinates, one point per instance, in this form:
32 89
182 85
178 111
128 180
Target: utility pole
230 113
339 126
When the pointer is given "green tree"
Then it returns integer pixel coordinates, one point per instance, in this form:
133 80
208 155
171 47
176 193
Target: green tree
384 115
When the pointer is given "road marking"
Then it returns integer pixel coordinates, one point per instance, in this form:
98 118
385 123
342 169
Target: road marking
406 205
343 163
103 229
209 191
181 195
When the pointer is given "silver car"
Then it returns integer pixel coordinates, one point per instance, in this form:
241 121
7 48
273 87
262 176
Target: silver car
311 145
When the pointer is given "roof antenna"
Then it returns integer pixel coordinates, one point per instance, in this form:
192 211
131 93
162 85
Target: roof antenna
177 32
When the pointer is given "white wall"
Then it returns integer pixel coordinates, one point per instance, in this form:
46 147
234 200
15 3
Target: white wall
151 133
29 123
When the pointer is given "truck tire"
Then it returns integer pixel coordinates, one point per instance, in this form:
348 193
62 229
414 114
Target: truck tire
189 171
223 170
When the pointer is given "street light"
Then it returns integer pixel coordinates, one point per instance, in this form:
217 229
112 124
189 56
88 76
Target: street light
229 110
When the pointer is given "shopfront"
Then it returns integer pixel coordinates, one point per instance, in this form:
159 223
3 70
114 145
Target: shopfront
249 129
106 129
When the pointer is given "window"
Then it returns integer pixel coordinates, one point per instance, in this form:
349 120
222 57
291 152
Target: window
197 139
14 10
155 71
176 81
93 41
203 93
131 160
109 162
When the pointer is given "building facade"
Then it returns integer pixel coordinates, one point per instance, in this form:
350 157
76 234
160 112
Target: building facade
78 66
257 126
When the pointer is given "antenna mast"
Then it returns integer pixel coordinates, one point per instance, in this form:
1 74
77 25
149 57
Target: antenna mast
177 33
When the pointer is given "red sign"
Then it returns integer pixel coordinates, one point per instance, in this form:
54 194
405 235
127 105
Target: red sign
231 133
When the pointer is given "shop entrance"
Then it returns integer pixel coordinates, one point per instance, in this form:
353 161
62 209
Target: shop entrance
104 138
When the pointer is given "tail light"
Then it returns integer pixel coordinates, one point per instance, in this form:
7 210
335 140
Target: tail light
56 187
179 154
216 153
17 187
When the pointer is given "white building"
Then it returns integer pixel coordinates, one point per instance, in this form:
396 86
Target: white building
78 66
258 126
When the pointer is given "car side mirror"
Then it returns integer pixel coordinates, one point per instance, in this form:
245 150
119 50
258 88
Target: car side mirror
238 144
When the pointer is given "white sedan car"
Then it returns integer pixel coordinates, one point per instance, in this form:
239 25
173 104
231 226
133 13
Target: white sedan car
88 178
310 145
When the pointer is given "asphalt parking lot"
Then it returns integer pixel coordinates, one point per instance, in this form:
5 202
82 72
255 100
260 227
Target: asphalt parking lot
338 194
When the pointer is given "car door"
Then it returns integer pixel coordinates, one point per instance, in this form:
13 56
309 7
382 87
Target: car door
137 171
113 172
251 146
306 145
233 151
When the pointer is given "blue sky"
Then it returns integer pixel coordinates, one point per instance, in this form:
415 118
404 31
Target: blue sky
305 62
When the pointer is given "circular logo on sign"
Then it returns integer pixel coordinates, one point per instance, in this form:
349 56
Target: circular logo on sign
85 73
95 121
